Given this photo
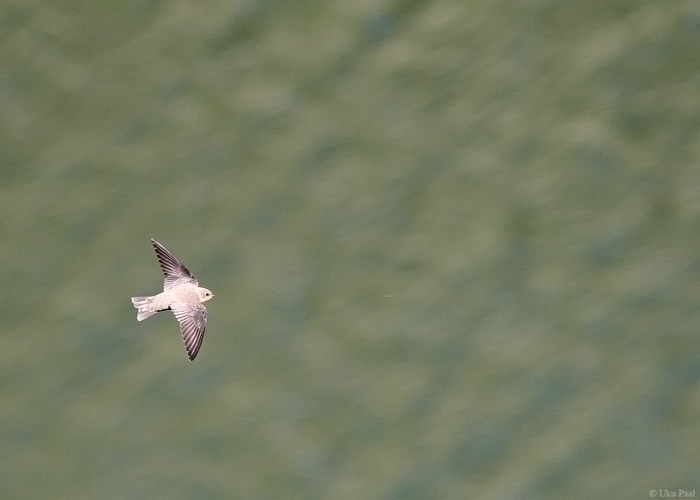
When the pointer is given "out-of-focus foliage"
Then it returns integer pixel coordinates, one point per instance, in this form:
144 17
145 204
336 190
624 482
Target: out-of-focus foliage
454 247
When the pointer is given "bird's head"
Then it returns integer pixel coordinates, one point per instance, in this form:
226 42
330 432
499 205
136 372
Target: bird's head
204 294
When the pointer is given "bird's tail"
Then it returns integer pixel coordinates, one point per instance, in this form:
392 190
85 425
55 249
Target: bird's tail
144 306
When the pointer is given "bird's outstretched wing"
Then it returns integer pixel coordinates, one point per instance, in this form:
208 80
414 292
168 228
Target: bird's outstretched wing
193 321
172 268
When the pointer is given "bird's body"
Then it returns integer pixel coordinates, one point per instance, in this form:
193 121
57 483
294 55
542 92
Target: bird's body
181 294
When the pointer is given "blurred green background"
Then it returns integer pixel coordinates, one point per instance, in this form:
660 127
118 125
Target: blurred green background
455 247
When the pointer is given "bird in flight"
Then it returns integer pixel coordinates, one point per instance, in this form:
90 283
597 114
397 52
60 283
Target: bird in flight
181 294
